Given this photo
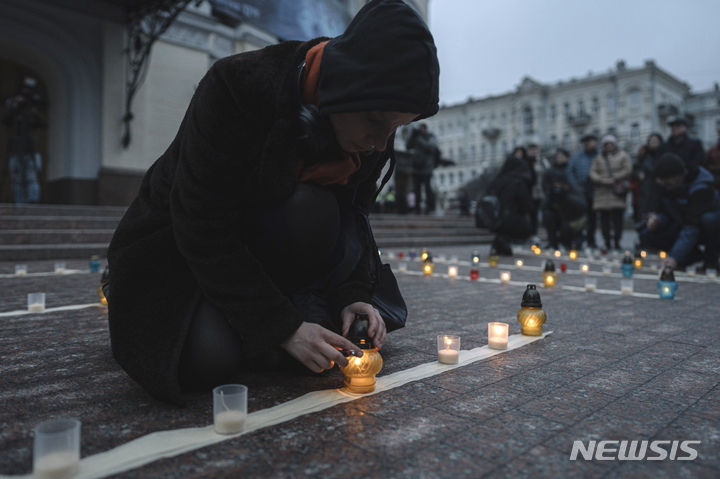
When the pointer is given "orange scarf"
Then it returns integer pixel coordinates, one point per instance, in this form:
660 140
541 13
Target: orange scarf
334 172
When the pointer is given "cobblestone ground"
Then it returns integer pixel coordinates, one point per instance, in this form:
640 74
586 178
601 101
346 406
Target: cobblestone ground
617 367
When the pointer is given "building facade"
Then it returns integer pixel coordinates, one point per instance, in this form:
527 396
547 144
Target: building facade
629 103
76 49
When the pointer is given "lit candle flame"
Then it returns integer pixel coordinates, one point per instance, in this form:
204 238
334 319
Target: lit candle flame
643 253
585 267
663 254
519 263
558 253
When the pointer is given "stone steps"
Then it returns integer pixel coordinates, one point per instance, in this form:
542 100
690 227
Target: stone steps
40 232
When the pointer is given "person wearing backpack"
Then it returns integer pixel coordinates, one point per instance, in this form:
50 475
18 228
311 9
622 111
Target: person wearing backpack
512 189
564 207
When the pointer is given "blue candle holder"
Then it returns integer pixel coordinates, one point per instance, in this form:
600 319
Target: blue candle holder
94 264
667 285
627 265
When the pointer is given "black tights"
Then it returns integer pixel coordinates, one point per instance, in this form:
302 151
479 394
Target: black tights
617 221
295 244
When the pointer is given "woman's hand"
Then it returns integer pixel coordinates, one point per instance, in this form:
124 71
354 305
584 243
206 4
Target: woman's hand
376 330
316 347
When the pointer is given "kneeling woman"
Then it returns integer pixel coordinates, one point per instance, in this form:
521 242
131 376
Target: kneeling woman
255 201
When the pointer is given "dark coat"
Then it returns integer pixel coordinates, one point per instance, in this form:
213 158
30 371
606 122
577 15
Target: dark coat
512 187
689 149
186 234
565 198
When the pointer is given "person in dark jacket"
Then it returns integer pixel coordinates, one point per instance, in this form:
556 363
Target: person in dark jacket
256 199
423 146
512 188
578 172
646 194
688 149
688 215
564 208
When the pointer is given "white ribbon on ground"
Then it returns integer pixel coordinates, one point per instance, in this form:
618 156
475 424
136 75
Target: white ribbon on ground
73 307
159 445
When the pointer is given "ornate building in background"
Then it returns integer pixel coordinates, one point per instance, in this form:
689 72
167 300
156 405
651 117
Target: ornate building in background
629 103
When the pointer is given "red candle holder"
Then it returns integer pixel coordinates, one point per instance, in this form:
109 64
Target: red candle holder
563 267
400 255
475 274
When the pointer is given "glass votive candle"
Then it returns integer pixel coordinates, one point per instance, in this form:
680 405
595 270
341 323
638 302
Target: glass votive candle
691 270
452 271
454 259
557 253
428 268
519 264
590 284
584 268
229 408
402 266
20 269
474 274
400 255
94 264
56 449
36 302
607 269
537 251
573 254
448 349
59 268
626 286
475 258
711 273
498 335
662 254
441 258
390 255
505 277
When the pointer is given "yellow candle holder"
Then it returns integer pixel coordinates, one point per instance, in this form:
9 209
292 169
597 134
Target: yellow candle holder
537 251
428 268
573 254
493 259
424 254
531 316
663 255
549 279
360 372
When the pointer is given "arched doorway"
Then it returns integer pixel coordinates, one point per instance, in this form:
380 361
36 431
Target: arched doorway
11 79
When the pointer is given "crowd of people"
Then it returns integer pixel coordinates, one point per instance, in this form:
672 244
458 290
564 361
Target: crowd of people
672 187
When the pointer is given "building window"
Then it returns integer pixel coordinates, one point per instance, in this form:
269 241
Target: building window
493 150
442 178
451 178
460 177
451 153
461 153
504 148
566 141
483 152
473 152
503 119
634 99
528 127
611 103
566 111
581 108
611 131
553 112
473 173
553 142
441 129
635 133
595 106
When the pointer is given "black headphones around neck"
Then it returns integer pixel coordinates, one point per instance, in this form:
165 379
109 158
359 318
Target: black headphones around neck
313 132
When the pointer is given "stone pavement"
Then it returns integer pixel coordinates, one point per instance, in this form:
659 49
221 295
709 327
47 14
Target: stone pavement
616 368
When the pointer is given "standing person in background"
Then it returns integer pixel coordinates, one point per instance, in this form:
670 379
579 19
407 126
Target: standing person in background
564 208
713 162
647 194
512 188
608 167
22 117
423 146
577 171
539 165
688 149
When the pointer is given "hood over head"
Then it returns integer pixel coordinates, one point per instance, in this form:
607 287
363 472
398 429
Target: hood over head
385 60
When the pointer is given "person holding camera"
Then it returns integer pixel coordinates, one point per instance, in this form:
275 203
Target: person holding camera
263 194
22 117
423 146
564 207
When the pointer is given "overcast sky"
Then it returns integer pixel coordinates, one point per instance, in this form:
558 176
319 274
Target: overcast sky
487 46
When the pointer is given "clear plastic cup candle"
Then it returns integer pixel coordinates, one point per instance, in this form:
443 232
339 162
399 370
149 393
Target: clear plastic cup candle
452 271
626 286
590 284
56 449
607 269
229 408
20 269
584 268
691 270
36 302
448 349
711 273
519 264
558 253
59 268
498 335
505 277
390 255
454 259
402 266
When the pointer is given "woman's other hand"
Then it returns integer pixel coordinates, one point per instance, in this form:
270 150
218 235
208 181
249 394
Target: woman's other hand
316 347
376 329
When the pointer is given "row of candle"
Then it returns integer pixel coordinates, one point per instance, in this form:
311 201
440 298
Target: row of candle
448 346
56 444
60 267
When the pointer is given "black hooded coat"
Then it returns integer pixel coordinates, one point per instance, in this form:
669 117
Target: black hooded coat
187 233
512 187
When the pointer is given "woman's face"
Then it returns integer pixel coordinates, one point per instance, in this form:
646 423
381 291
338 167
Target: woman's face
609 147
361 131
653 142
